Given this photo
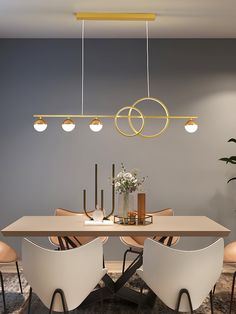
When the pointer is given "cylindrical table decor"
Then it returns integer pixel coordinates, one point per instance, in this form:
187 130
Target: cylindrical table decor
141 207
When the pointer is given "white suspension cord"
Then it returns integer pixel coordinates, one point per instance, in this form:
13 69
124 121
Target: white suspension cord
82 69
147 56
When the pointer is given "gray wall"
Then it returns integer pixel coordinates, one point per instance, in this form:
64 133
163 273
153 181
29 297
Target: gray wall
40 172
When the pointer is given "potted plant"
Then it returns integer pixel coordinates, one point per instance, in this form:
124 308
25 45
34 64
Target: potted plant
126 182
230 249
231 160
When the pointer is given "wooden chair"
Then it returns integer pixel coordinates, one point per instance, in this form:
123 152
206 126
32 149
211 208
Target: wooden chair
230 257
8 255
181 279
62 279
76 241
135 244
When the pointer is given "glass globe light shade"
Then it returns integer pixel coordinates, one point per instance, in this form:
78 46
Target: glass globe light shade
191 126
68 125
96 125
40 125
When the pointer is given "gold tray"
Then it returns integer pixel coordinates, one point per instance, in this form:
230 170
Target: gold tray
147 220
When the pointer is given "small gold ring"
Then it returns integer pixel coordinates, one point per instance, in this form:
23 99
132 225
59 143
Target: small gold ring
136 132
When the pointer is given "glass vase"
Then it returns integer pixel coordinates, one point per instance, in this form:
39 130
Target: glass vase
125 205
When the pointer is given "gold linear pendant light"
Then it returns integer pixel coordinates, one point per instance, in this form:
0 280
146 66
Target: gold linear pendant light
133 112
108 16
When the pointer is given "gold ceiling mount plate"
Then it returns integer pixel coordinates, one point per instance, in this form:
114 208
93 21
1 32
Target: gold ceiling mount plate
111 16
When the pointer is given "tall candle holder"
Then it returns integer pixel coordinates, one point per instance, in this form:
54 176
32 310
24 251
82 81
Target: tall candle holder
102 195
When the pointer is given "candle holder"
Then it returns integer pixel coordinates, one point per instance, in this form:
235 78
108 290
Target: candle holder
88 213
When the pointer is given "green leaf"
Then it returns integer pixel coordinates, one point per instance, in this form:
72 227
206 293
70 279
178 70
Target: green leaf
232 140
231 179
232 159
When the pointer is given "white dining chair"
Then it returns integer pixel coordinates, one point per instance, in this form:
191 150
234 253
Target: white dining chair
181 279
62 279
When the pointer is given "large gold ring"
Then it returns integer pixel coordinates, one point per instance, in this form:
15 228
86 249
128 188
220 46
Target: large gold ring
129 116
162 105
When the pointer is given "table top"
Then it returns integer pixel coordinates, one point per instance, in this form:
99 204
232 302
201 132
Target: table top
74 226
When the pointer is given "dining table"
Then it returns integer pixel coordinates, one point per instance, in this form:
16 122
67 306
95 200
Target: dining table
65 227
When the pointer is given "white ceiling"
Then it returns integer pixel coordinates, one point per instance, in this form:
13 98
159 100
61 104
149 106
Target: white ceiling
176 18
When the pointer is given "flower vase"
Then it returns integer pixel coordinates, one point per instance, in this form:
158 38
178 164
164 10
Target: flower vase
125 205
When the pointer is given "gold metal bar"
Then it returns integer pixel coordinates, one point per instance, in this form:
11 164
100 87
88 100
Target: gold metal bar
110 116
113 16
71 116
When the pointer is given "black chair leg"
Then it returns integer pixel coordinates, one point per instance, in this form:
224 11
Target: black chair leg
3 293
211 301
124 260
101 301
232 293
103 261
214 289
184 291
63 300
140 299
29 302
18 273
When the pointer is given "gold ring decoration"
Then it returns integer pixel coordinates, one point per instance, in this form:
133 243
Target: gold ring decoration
129 116
164 117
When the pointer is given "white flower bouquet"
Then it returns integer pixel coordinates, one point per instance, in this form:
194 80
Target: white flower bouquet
127 181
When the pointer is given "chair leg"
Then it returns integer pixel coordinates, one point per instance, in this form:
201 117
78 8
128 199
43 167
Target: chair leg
140 299
63 300
211 300
101 301
124 260
103 261
3 293
232 293
29 302
214 289
18 273
184 291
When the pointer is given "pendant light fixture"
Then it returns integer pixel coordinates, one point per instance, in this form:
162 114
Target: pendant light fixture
40 125
132 112
96 125
68 125
191 126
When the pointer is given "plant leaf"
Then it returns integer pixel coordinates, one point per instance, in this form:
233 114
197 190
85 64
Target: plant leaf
224 159
232 140
227 160
232 159
231 179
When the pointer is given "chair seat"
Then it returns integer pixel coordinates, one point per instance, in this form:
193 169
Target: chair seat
131 242
79 240
230 253
7 253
